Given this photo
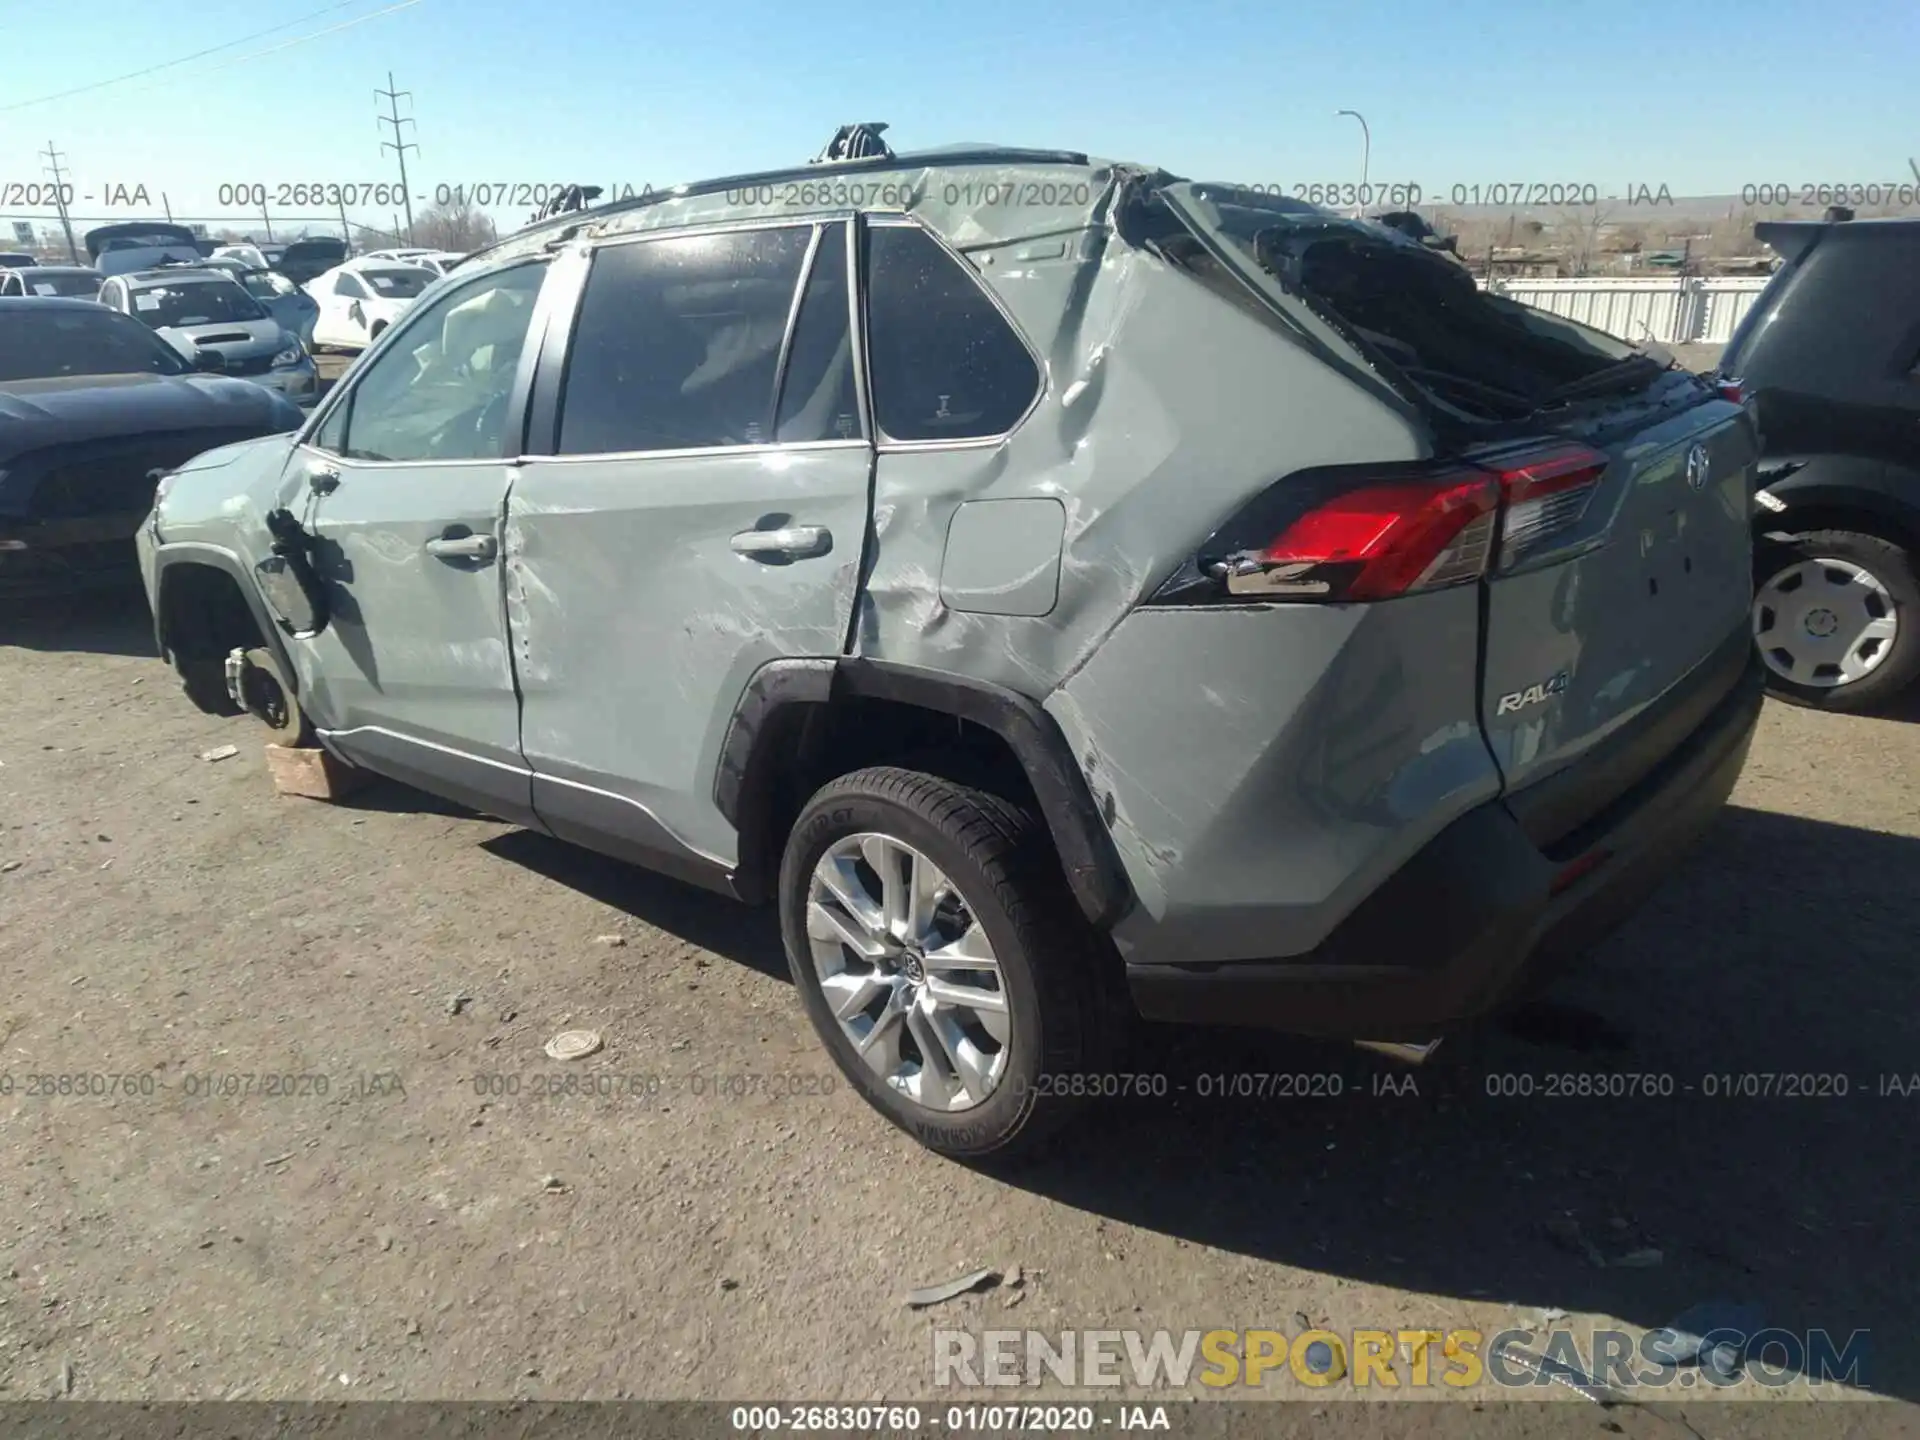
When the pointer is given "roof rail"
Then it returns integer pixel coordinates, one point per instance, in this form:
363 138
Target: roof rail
959 155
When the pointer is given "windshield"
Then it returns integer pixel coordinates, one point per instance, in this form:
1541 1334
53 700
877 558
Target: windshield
195 302
398 283
81 284
265 285
38 344
1482 356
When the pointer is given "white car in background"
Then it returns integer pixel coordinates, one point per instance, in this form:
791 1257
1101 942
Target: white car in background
246 253
438 261
362 297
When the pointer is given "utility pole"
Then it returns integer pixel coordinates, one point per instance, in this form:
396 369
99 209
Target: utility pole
397 144
268 219
60 199
1366 158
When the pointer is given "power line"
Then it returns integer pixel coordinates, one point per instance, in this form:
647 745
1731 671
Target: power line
169 64
397 144
228 45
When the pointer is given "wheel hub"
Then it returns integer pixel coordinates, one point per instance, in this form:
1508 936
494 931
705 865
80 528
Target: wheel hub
908 972
1824 622
1821 622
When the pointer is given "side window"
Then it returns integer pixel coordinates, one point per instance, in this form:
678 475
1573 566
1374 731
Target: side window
10 285
678 342
945 363
348 286
441 390
818 399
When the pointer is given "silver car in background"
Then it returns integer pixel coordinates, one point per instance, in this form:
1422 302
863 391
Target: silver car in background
201 311
69 282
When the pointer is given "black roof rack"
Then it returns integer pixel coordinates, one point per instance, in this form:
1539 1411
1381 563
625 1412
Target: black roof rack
855 142
566 223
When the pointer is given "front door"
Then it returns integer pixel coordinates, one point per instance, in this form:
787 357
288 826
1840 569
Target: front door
405 481
701 508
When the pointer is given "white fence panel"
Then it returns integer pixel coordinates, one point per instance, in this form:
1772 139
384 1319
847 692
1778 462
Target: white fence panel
1669 310
1726 304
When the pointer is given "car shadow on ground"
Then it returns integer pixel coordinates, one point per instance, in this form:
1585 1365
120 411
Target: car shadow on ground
112 620
747 935
1784 950
1751 1035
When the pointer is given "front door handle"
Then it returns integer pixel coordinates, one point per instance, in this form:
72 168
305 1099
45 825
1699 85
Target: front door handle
323 479
462 547
791 542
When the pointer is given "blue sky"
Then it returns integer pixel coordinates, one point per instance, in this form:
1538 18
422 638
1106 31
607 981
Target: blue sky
1701 97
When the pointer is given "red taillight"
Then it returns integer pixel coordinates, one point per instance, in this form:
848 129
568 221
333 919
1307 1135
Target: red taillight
1363 534
1731 389
1385 540
1547 493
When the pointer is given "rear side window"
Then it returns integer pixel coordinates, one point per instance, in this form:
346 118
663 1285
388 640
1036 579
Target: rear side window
945 363
1844 320
678 342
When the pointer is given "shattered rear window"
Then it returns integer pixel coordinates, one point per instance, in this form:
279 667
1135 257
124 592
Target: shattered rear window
1421 313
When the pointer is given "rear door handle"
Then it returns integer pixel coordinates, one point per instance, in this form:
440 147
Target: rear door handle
462 547
791 542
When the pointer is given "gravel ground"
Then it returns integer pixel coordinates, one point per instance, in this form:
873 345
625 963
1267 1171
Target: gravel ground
725 1220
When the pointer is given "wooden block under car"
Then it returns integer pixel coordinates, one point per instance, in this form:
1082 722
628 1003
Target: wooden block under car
313 773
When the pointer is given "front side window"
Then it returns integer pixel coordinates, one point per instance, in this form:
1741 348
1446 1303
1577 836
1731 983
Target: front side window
441 390
678 341
945 363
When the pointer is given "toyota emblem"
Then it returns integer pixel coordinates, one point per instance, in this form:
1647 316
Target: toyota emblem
1698 468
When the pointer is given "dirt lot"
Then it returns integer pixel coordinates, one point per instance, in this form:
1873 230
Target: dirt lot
413 1233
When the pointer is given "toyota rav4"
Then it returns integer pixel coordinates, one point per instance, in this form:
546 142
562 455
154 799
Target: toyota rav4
1066 591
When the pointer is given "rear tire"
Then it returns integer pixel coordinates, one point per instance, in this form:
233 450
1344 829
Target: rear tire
993 898
1830 602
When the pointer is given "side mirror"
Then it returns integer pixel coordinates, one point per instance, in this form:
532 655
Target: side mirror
210 360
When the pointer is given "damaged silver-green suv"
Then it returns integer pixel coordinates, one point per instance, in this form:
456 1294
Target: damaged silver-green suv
1066 591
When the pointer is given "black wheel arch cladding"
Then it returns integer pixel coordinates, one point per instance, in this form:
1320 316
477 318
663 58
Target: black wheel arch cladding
759 731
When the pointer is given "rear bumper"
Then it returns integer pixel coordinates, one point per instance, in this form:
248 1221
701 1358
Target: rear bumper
1478 915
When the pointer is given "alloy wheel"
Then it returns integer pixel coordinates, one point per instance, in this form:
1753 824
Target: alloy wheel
1824 622
908 972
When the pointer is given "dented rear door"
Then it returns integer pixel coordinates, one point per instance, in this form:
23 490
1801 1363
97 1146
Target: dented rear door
695 505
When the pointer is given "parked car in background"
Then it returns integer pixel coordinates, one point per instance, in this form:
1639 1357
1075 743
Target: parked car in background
246 253
303 260
438 261
1829 356
404 253
285 301
208 313
1173 594
73 282
92 406
17 260
360 299
139 245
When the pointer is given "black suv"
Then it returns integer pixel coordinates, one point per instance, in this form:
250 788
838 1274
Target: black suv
1830 355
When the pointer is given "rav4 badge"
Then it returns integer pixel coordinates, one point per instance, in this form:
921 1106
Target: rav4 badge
1533 694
